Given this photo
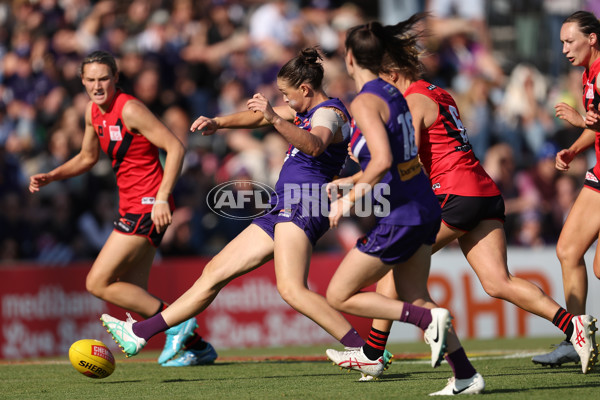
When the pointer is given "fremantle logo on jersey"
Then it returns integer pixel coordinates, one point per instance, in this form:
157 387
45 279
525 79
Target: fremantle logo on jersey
302 123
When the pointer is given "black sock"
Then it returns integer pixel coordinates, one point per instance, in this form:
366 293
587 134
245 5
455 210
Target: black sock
161 308
562 320
375 345
195 342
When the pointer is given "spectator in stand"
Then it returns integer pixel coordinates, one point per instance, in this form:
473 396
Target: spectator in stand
524 120
463 43
206 61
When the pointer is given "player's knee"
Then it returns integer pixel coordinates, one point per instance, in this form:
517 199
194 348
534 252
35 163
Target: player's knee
289 292
217 274
597 270
95 287
495 288
335 299
567 256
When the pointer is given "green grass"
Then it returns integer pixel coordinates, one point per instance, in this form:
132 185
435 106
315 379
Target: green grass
302 373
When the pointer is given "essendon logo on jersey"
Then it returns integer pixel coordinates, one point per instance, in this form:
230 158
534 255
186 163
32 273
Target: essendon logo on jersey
591 177
589 94
115 133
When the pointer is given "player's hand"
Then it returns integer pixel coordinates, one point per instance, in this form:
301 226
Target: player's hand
204 125
569 114
37 181
161 216
338 209
351 154
563 159
258 102
592 120
334 187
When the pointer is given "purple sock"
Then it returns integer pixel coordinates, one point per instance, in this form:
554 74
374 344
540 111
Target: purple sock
460 364
416 315
352 339
150 327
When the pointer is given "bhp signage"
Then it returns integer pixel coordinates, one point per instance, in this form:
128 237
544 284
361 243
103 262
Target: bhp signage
44 310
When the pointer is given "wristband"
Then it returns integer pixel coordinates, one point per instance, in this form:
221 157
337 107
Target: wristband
160 202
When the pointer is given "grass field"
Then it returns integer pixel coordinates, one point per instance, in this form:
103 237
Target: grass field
302 373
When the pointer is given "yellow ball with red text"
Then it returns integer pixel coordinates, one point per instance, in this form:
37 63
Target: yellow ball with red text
92 358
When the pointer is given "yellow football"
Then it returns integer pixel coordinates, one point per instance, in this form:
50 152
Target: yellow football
92 358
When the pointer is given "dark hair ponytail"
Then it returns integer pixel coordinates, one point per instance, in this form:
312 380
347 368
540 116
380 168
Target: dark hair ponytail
304 68
379 48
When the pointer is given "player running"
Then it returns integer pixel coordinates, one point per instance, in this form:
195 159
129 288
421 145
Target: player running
400 243
580 35
472 210
319 138
130 135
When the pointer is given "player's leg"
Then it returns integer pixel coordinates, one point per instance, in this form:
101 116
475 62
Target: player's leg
359 270
371 366
386 286
577 235
485 250
292 261
120 274
411 283
249 250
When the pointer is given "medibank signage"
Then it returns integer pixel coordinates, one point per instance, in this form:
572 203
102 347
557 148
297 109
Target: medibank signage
44 310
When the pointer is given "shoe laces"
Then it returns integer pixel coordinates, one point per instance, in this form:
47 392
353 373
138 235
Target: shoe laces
129 318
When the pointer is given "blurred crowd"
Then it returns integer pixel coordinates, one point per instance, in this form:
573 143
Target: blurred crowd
501 59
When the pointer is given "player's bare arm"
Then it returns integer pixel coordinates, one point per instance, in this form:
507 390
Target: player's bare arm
424 113
366 109
565 156
569 114
312 144
139 119
82 162
240 120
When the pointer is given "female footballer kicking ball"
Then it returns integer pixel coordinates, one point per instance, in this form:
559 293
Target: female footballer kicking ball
318 140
